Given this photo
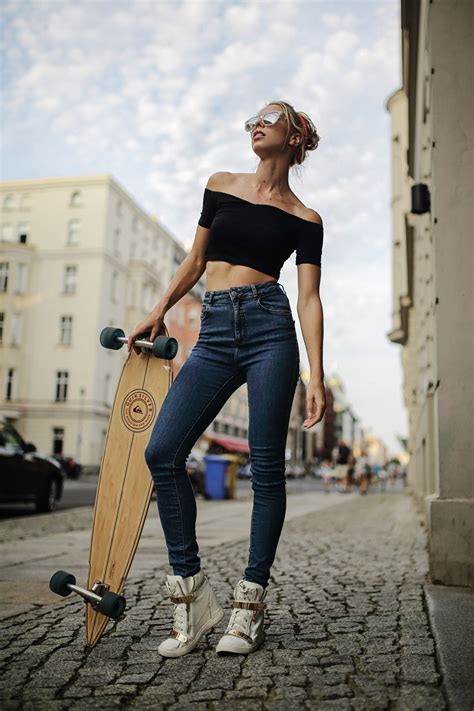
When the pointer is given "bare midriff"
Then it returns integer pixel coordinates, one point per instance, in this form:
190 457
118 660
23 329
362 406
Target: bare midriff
224 275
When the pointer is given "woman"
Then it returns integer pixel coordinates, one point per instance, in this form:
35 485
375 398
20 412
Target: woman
249 226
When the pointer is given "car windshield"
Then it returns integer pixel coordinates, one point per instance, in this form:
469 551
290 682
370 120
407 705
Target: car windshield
9 439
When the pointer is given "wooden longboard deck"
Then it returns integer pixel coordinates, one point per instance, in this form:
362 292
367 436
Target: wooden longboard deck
125 484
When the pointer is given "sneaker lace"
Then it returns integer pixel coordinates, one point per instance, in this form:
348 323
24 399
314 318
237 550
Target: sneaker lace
181 617
241 619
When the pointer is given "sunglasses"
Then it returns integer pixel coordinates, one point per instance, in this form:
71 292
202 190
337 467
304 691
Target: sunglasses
267 120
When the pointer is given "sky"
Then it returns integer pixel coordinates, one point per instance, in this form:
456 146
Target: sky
156 95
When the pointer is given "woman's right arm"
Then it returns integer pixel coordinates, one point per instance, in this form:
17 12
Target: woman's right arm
188 273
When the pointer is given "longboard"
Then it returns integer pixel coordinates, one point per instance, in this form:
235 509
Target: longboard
125 484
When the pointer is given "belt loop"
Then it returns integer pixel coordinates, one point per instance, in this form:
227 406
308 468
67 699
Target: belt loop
254 290
282 287
211 296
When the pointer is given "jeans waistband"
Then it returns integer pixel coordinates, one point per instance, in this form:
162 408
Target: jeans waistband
246 291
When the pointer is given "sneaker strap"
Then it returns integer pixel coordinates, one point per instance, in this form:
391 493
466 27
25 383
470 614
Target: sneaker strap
249 605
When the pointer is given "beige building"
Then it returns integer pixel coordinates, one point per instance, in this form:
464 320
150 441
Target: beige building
76 254
433 274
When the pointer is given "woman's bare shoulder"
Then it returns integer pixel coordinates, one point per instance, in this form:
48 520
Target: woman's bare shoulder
220 180
313 216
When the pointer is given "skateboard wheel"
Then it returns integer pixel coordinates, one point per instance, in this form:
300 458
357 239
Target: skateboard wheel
59 583
165 347
112 605
109 336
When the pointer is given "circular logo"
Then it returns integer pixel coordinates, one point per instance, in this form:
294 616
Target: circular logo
138 410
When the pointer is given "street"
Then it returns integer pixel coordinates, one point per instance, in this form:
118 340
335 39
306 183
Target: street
346 624
81 492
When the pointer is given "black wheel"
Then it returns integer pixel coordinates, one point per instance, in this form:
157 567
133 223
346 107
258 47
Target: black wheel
108 338
59 583
165 347
112 605
46 500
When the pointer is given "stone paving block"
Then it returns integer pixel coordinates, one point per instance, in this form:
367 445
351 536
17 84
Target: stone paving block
329 705
143 678
120 690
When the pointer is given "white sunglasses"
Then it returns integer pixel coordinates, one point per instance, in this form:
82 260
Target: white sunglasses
267 119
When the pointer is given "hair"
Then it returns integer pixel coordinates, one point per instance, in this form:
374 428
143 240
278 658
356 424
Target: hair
300 122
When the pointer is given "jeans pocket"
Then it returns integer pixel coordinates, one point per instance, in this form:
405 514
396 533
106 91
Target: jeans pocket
274 302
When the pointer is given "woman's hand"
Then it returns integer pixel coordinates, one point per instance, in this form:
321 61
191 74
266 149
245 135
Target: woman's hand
315 402
151 324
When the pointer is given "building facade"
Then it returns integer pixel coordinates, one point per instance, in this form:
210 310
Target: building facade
433 275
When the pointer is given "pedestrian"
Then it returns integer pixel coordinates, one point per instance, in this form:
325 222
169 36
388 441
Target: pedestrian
342 462
361 471
350 471
326 473
249 226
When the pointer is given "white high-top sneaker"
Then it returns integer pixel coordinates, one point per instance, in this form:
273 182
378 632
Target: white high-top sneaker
244 633
196 612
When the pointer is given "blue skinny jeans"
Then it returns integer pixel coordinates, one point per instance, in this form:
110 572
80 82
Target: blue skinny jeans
247 334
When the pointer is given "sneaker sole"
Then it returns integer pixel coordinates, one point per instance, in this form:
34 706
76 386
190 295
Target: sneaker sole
205 628
221 646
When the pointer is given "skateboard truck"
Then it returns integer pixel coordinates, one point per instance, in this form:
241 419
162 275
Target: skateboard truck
162 347
108 603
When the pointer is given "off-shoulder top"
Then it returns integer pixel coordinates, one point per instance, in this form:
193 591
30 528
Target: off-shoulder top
259 236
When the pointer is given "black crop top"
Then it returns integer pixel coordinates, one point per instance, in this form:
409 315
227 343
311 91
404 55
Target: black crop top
257 235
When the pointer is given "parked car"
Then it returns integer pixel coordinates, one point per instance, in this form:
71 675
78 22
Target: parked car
27 475
70 467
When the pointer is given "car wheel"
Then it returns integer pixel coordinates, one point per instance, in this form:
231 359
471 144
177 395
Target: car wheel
46 502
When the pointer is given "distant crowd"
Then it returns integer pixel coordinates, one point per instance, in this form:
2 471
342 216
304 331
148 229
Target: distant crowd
349 471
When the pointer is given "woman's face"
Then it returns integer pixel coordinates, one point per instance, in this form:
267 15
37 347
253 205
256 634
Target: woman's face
267 138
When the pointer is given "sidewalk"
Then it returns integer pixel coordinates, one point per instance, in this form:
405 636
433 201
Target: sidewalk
347 623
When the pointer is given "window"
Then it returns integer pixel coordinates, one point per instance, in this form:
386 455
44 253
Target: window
76 199
65 331
8 202
23 232
70 276
73 229
58 440
3 276
2 325
20 278
24 200
61 385
16 328
7 232
11 384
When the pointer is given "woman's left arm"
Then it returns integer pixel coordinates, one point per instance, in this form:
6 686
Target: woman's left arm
310 314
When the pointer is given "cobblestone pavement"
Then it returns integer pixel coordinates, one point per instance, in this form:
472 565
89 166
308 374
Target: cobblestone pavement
346 623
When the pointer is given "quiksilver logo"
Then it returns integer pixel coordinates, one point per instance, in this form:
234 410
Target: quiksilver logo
138 410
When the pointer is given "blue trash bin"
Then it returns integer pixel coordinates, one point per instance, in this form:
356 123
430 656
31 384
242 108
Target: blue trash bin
214 475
